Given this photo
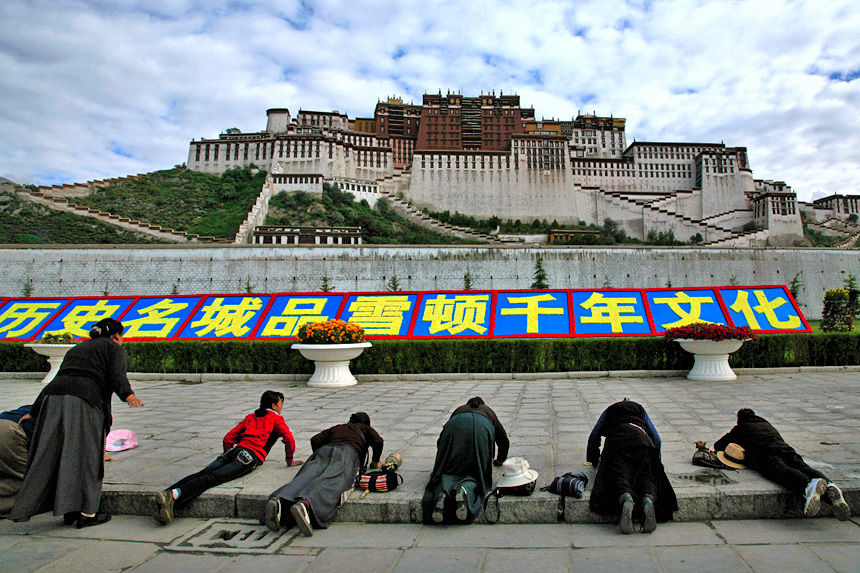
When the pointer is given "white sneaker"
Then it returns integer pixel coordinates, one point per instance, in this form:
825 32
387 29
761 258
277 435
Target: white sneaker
303 521
812 495
840 506
462 507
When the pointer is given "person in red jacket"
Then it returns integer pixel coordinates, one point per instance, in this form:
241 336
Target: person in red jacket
245 447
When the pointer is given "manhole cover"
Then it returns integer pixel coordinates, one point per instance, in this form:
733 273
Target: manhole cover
232 536
715 477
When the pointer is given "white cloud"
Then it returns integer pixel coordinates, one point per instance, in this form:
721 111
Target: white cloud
107 88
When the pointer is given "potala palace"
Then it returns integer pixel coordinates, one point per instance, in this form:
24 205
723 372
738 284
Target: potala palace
487 156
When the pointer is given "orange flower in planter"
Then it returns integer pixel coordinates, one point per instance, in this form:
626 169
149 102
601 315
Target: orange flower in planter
331 332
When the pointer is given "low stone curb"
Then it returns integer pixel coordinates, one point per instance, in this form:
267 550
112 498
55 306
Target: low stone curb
540 507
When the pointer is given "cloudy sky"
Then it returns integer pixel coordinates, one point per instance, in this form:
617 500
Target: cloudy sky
97 89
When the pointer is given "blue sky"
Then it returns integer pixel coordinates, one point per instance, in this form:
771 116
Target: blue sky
98 89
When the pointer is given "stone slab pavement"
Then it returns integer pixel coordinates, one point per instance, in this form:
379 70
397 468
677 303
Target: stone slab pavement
133 543
548 418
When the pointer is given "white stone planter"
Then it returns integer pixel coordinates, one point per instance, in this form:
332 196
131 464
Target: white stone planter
331 363
55 354
711 358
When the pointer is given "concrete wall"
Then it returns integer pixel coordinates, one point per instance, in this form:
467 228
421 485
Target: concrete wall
147 270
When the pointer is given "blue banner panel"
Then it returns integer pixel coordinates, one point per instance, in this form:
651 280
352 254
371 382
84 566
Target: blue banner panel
769 309
542 313
445 315
680 307
226 317
602 313
82 314
22 319
381 314
289 312
158 317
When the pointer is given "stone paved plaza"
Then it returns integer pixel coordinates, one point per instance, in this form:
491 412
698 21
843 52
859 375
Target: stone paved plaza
548 418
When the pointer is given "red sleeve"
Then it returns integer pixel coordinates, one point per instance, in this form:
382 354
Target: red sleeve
233 436
287 437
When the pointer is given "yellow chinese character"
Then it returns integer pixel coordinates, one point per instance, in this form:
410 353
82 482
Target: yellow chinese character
766 307
82 315
456 314
25 316
227 318
685 318
155 315
532 311
605 310
288 323
380 315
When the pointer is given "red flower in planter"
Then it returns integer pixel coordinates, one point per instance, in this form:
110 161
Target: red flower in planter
709 331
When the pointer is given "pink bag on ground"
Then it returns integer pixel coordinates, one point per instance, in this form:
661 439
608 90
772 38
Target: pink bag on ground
119 440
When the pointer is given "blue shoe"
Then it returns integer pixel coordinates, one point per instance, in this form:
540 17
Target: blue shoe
650 524
626 522
812 495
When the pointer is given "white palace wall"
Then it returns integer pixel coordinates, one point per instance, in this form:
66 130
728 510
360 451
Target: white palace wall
503 191
191 269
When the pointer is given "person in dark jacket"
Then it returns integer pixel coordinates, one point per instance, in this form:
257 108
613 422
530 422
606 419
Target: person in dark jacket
13 455
314 495
65 467
631 482
245 447
463 472
756 444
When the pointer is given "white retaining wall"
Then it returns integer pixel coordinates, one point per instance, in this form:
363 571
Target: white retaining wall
155 270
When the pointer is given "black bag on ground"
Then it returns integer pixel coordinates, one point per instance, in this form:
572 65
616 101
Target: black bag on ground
708 459
570 484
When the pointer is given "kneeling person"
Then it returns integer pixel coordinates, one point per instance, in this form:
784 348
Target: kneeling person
314 495
245 447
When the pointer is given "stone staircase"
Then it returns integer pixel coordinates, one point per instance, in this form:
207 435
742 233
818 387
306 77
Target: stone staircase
406 210
714 233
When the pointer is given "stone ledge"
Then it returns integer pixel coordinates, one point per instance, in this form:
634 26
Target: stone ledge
540 507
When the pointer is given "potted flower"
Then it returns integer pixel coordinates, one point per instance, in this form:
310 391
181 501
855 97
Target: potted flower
710 345
54 346
331 345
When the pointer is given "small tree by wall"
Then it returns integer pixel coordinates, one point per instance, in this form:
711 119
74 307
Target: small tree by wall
795 287
467 281
837 315
393 283
540 281
850 284
325 286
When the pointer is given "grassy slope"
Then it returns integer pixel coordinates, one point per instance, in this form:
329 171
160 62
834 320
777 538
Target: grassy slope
183 200
22 222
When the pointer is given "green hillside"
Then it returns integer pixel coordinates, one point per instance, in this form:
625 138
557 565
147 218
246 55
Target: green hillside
184 200
23 222
379 224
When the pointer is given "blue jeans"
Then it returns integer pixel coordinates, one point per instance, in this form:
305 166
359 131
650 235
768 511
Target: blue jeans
228 466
